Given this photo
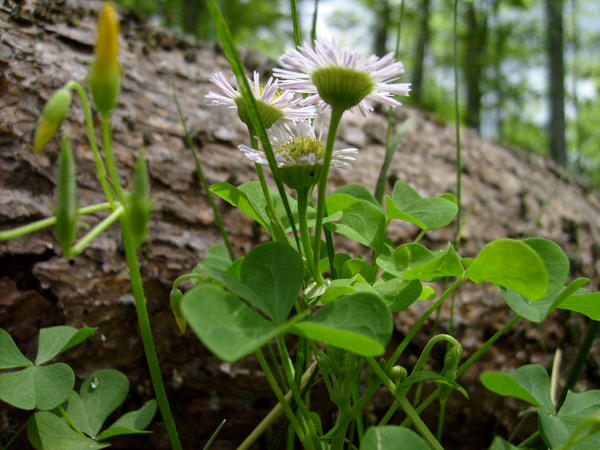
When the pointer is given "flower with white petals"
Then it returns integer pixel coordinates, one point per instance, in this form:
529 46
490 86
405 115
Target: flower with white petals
272 102
341 78
299 152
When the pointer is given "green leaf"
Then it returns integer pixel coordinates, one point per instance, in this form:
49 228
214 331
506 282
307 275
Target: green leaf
557 431
554 259
339 202
429 213
47 431
428 375
227 326
390 437
357 191
10 355
583 302
360 323
275 272
132 422
530 383
100 394
55 340
581 403
405 257
42 387
362 222
397 293
355 266
337 288
446 264
511 264
538 311
502 444
239 199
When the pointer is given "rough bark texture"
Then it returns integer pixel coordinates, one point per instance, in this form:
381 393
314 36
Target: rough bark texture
44 46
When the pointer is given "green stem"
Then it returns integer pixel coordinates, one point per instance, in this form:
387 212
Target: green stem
100 169
70 421
582 354
48 222
304 231
270 418
214 435
336 117
530 439
110 158
15 436
146 334
96 231
441 416
296 24
313 30
405 405
282 401
457 119
204 181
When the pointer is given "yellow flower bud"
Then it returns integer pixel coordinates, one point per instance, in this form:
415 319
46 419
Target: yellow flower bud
105 76
54 113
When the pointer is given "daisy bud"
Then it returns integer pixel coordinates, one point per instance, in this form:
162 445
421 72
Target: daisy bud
66 199
105 76
451 361
53 114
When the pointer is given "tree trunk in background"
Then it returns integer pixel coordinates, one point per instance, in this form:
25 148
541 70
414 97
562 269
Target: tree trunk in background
422 41
473 63
556 80
500 34
382 26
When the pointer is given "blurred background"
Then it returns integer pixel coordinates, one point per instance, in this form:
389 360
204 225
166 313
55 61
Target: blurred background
529 70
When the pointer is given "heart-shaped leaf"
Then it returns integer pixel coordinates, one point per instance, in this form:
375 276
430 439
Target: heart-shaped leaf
55 340
274 272
48 431
429 213
100 394
239 199
399 294
406 257
227 326
10 355
362 222
390 437
357 191
360 323
132 422
583 302
511 264
41 387
538 311
554 259
557 431
445 264
530 383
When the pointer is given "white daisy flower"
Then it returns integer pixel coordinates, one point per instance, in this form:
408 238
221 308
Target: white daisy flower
341 78
273 103
299 147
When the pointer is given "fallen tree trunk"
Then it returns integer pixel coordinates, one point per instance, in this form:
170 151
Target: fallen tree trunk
46 44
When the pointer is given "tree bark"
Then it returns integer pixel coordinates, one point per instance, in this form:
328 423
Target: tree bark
474 62
556 80
382 26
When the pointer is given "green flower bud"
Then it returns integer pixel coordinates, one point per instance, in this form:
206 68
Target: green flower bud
66 199
398 374
105 76
449 371
269 114
176 297
300 176
341 87
53 114
139 203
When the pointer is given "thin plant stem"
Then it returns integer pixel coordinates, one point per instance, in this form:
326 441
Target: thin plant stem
405 405
214 435
137 288
70 421
282 401
304 231
297 39
582 354
313 29
336 117
96 231
203 180
532 438
146 334
256 121
48 222
110 157
274 414
441 415
100 168
15 436
457 120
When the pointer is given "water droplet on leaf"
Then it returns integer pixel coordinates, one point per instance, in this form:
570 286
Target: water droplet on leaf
94 383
